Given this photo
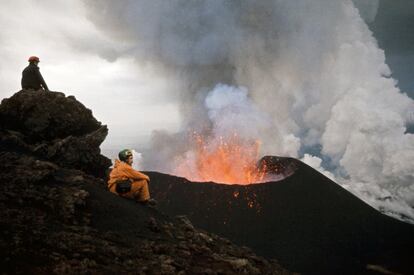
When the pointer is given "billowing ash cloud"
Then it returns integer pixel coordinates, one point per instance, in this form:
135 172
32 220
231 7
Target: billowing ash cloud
312 68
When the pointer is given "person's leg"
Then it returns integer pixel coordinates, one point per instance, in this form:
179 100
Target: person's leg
113 189
140 190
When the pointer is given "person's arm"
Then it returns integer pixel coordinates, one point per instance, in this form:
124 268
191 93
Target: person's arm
42 81
135 175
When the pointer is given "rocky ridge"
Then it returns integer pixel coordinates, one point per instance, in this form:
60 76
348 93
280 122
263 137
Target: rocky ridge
56 215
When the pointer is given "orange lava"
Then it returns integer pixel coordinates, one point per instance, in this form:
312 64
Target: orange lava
229 160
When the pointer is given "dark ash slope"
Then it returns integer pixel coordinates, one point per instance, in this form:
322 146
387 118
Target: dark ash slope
308 222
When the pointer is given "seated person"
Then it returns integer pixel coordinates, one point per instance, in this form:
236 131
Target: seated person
32 79
127 182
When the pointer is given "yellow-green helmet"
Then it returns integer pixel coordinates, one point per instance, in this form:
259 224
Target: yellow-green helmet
124 154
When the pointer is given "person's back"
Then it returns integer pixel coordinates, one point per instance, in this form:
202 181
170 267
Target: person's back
31 76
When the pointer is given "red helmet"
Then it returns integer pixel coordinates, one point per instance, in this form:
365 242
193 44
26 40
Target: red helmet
33 58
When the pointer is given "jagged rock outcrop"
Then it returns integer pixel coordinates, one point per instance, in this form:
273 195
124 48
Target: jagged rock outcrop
55 128
45 116
56 217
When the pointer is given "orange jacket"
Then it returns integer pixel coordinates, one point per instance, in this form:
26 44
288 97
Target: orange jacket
123 171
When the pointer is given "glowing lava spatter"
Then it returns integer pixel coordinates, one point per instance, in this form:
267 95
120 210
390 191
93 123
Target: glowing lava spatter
230 160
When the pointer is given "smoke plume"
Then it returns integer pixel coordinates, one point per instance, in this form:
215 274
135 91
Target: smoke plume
305 77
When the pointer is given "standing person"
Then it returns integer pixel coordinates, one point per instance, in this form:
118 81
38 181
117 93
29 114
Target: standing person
127 182
32 79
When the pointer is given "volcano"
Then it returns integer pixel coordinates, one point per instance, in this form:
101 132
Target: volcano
305 220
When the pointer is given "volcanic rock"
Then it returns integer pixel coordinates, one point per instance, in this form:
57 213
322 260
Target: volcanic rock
45 116
57 216
54 128
276 168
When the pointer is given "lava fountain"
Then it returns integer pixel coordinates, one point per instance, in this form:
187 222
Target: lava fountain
230 160
228 150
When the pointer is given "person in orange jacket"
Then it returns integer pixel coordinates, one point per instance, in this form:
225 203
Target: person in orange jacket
127 182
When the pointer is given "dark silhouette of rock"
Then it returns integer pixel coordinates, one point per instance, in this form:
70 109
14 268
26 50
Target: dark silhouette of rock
57 217
55 128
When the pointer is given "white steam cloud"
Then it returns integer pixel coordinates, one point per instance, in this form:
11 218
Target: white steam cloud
231 110
318 85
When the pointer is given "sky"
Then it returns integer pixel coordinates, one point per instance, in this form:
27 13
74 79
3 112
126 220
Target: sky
328 82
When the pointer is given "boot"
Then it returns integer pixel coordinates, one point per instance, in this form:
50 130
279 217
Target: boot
149 202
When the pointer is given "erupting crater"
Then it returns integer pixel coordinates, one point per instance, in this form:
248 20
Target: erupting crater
230 160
